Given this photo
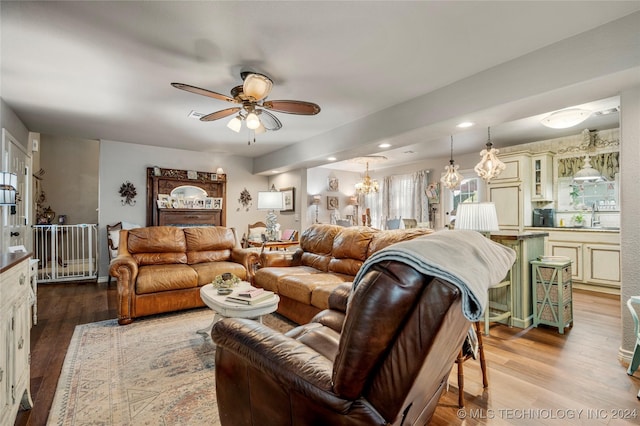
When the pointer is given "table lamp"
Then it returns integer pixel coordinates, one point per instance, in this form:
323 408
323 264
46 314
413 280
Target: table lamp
271 201
481 217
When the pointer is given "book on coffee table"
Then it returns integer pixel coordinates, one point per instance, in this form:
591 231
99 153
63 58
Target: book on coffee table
264 295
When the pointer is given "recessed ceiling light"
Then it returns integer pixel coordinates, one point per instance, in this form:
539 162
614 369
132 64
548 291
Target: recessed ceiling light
384 145
331 159
275 171
465 124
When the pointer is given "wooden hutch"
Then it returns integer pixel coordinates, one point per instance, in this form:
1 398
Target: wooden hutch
171 181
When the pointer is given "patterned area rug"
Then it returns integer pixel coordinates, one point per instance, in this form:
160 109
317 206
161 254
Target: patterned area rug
155 371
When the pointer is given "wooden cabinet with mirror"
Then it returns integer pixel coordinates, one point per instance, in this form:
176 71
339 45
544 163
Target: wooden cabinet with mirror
185 197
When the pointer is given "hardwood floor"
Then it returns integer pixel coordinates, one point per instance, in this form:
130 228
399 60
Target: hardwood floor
536 376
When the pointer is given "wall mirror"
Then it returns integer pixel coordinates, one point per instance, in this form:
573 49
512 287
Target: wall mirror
189 192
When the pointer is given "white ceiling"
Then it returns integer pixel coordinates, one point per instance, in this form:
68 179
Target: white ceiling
102 70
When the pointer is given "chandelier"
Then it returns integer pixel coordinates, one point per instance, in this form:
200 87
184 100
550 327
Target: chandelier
490 166
451 178
368 185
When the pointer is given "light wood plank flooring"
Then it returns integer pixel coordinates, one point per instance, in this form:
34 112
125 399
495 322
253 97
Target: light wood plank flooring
536 376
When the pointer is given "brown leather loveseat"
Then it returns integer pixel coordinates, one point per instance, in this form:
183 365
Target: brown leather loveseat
329 255
162 268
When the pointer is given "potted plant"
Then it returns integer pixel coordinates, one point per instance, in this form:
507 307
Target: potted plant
578 219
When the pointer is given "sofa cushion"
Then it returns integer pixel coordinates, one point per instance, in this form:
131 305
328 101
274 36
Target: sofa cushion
352 243
318 238
300 287
157 278
320 295
208 271
156 245
209 243
268 278
385 238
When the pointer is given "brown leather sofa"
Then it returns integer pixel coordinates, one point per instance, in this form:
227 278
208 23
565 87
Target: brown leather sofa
162 268
385 362
328 256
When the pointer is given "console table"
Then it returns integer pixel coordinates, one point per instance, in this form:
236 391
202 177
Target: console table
15 325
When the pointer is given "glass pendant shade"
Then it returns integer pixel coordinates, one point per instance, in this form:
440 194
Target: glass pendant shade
257 86
587 173
451 178
260 129
253 122
490 165
235 124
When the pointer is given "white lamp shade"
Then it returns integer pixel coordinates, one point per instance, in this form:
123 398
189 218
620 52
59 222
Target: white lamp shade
8 185
481 217
235 124
270 200
253 122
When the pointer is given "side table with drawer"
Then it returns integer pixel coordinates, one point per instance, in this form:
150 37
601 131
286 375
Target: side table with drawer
553 304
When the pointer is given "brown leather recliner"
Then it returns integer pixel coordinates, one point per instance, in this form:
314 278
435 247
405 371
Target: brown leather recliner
385 362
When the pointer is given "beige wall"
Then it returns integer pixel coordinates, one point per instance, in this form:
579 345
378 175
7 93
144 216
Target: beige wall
70 180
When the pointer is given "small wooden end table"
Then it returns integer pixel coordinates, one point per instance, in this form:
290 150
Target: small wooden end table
273 245
223 309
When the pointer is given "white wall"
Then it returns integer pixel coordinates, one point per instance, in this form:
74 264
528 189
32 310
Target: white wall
317 183
120 162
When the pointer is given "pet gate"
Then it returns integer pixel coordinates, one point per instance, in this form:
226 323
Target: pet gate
66 252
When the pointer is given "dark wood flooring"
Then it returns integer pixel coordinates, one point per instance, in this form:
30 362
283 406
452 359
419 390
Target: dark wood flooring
536 376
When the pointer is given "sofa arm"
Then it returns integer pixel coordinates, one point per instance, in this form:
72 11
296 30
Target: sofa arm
247 258
276 258
334 316
286 361
339 297
125 269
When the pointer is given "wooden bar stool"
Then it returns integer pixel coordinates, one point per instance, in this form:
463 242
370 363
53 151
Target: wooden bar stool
462 357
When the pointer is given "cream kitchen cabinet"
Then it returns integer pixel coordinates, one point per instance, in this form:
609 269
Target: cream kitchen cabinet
542 177
15 327
511 193
595 257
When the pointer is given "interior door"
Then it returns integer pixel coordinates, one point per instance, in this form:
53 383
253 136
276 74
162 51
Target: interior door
15 219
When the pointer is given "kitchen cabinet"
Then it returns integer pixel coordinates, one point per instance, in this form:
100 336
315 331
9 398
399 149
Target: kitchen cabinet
528 246
511 194
594 254
542 177
15 324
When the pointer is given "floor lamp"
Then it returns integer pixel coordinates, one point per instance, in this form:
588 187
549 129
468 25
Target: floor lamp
316 202
271 201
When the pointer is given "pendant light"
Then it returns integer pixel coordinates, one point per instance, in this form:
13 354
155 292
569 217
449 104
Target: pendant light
451 178
490 166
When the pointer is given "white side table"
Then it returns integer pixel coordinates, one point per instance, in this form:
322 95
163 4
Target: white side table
223 309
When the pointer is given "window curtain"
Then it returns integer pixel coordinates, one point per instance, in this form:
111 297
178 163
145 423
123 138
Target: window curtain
401 196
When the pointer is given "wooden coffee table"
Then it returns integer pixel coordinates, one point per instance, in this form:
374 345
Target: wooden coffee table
223 309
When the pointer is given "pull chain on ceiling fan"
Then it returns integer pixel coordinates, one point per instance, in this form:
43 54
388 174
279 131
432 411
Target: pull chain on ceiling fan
254 109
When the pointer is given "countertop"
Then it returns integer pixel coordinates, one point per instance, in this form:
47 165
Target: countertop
575 228
8 260
516 235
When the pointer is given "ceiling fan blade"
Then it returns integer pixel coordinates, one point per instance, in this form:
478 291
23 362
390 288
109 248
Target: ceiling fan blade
220 114
293 107
269 121
203 92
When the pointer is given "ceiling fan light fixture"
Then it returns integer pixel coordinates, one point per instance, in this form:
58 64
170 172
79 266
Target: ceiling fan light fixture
235 124
260 129
257 86
565 118
253 122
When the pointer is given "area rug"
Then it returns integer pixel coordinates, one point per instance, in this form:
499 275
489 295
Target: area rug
155 371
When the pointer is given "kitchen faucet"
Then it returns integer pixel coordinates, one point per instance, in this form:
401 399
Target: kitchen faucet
595 221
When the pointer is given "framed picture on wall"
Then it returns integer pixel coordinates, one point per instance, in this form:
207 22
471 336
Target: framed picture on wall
289 199
433 193
217 203
333 184
332 203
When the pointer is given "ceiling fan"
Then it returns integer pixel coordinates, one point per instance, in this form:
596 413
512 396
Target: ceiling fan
253 106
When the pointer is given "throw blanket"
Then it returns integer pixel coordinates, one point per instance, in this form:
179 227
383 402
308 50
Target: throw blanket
466 259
